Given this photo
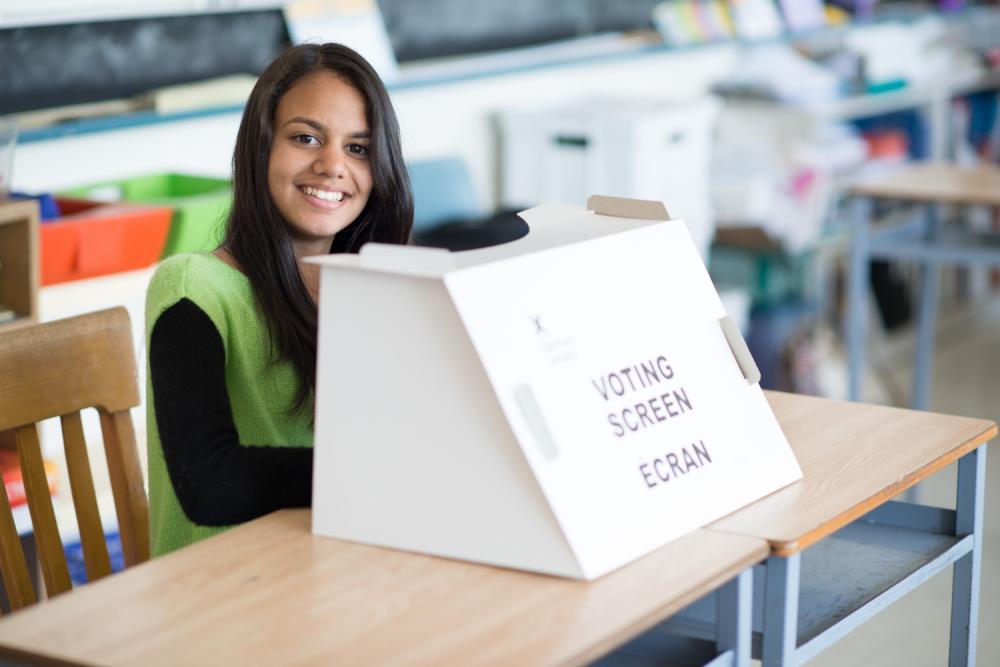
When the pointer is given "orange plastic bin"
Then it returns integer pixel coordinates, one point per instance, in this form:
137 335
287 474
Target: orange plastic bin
94 238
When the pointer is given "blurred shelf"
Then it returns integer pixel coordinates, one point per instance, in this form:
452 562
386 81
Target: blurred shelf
19 273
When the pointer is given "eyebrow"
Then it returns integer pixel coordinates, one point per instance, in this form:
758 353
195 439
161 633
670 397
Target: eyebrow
363 134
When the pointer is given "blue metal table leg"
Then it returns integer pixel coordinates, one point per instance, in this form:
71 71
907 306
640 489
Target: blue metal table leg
781 611
734 617
927 319
857 295
965 576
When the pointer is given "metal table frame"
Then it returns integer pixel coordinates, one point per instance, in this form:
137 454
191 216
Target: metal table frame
951 537
920 239
730 646
801 606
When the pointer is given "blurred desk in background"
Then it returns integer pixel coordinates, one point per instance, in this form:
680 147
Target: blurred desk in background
921 238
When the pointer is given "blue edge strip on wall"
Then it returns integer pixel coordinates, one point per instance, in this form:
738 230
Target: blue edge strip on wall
115 122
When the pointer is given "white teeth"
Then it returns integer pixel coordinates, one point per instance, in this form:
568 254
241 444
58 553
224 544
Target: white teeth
325 195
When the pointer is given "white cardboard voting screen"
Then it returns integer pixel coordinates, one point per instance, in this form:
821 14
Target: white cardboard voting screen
564 403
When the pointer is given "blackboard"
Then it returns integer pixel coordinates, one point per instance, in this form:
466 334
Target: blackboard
434 28
56 65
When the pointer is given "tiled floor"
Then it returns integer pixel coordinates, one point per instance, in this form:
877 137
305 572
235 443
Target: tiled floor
914 632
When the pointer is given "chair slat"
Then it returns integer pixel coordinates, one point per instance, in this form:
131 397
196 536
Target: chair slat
16 578
127 485
88 517
43 517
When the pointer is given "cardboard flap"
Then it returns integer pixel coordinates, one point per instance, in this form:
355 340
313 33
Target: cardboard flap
740 350
620 207
619 384
439 471
411 260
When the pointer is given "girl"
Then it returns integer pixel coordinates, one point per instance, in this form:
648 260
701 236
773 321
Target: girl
231 335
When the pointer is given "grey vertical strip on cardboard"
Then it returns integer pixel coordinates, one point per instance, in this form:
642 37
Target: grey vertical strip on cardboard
526 402
740 350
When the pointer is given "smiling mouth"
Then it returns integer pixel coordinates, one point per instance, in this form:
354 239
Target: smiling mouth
323 195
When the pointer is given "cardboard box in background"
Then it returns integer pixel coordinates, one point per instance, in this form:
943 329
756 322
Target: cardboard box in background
648 148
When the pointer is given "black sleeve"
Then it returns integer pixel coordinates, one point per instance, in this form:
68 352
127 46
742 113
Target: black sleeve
217 480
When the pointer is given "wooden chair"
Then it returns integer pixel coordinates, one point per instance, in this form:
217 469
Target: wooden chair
55 370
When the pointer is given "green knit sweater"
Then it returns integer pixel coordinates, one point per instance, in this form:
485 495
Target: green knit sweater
259 391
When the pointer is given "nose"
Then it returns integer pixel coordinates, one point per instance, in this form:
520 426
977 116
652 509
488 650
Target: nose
329 162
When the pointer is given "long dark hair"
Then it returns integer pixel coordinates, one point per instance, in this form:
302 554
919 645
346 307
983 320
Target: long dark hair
256 234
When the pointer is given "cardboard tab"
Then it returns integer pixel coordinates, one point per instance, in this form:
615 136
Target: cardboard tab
740 351
620 207
411 260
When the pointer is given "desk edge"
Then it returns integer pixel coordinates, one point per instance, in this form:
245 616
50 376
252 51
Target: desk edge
787 548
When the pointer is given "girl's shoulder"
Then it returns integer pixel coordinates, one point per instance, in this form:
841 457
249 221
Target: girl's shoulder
203 278
193 264
191 270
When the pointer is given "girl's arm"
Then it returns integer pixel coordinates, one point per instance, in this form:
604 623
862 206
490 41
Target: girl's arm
217 480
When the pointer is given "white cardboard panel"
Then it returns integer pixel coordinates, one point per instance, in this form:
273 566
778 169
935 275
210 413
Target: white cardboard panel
556 325
412 450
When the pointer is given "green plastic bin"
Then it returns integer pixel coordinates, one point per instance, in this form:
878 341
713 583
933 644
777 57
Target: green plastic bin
200 205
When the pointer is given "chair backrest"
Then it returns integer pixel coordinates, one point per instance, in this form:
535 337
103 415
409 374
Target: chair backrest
57 369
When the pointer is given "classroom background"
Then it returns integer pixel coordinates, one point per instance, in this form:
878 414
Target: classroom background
752 120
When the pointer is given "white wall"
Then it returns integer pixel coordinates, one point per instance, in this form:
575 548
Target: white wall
437 120
201 146
458 118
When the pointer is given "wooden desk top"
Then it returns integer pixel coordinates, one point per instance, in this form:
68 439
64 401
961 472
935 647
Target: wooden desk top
854 457
936 182
270 593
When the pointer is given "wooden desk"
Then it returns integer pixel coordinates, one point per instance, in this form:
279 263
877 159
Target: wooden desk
936 183
854 458
270 593
841 550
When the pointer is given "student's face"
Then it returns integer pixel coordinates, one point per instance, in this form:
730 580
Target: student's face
319 172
